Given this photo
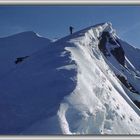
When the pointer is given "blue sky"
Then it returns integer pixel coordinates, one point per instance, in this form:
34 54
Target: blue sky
53 21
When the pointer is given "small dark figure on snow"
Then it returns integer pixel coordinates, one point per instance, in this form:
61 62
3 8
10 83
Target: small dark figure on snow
71 29
20 59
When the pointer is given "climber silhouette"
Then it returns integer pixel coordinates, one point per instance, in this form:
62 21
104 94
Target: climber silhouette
71 29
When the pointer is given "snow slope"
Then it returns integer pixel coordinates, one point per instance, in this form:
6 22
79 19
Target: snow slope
132 53
123 59
19 45
69 87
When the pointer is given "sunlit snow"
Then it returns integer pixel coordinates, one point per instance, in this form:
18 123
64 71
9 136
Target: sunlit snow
68 86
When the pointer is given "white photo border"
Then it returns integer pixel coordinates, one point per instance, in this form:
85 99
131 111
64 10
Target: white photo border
70 3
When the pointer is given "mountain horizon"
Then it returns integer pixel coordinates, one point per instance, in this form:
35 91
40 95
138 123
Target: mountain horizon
84 83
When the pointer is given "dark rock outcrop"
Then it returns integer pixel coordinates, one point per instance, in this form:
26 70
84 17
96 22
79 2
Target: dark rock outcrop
112 41
127 84
119 54
20 59
137 103
102 44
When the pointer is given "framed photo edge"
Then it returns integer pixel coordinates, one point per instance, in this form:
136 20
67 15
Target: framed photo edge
63 3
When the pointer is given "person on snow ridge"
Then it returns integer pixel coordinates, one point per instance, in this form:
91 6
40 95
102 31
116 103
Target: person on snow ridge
71 29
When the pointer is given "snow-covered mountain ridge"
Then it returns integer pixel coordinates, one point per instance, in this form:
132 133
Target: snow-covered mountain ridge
17 46
85 83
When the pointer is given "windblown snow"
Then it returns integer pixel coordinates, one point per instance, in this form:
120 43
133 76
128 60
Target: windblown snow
85 83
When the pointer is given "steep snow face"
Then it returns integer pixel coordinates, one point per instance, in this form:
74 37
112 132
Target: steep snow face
132 53
118 55
35 88
16 46
98 104
70 87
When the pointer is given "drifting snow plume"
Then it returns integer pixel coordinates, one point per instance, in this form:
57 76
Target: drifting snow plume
71 87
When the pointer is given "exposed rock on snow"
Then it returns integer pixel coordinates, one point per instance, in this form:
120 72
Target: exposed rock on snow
119 55
20 59
19 45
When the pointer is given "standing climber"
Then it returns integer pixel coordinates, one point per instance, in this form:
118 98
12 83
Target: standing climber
71 29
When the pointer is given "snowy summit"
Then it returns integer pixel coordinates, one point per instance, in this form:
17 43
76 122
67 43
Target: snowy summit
85 83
